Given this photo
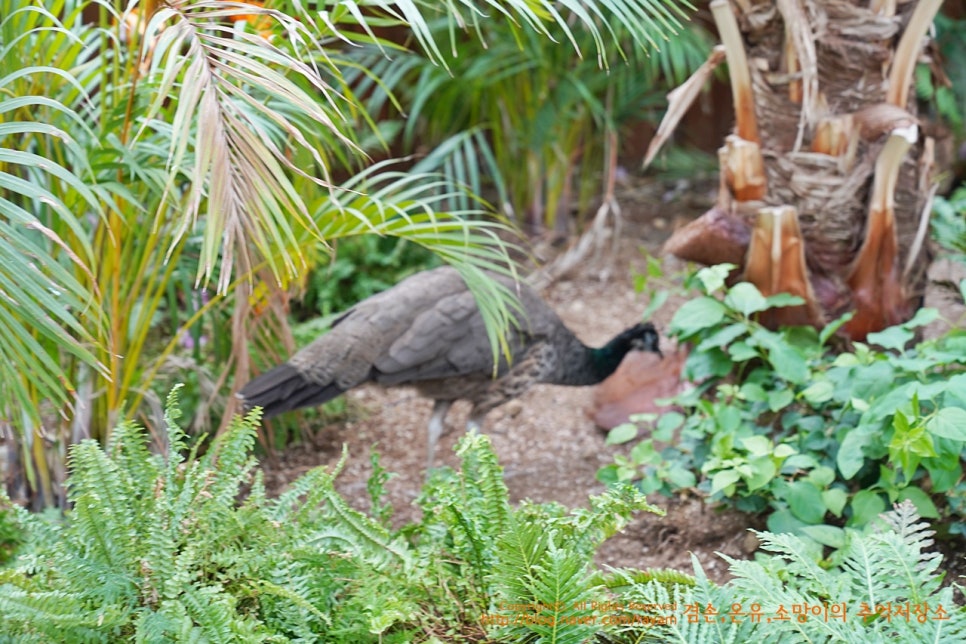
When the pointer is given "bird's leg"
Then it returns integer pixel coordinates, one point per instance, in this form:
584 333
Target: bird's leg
475 421
436 426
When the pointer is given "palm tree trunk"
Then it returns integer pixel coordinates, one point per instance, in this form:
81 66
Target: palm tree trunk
825 126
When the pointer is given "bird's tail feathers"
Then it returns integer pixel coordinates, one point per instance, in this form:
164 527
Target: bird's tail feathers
285 388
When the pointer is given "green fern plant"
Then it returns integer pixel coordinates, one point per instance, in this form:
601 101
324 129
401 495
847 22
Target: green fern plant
879 580
186 546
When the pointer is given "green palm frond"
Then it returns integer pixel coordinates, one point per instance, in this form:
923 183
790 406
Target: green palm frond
538 106
416 207
236 93
46 308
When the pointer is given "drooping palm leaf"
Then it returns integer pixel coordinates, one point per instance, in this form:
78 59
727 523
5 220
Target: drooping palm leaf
417 207
540 107
45 307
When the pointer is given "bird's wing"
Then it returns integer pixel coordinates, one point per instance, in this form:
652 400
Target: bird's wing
449 339
365 334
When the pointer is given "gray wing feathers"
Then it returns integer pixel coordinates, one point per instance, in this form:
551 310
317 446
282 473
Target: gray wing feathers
423 328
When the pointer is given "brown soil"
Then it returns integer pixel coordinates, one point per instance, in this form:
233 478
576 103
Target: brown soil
549 447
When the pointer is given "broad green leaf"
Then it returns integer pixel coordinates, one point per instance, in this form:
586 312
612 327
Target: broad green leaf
753 392
681 477
922 317
796 462
944 474
728 419
835 499
723 480
783 299
821 476
757 445
827 535
788 363
845 360
948 422
763 471
779 399
666 426
644 453
723 336
621 434
895 337
697 315
742 352
608 475
866 505
850 457
658 300
818 392
805 501
829 330
745 298
713 278
701 365
924 505
784 522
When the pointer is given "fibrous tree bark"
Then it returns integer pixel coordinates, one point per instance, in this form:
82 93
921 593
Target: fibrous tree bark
828 177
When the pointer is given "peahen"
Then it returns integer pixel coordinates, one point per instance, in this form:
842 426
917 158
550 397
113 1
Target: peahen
427 331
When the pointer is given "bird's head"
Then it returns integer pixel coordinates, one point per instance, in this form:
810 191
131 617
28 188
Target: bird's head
643 337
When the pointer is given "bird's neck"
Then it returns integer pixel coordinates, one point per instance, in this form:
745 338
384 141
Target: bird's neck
594 365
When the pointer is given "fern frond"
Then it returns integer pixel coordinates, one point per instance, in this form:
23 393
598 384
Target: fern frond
376 487
518 550
905 545
561 584
215 616
230 455
177 439
468 508
102 524
292 503
295 598
54 613
482 477
350 529
791 555
620 578
673 622
609 513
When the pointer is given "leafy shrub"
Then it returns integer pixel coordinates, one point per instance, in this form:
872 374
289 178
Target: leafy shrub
362 266
947 98
949 222
10 534
781 422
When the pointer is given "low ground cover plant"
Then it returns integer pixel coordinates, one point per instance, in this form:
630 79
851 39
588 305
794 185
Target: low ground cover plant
186 546
822 439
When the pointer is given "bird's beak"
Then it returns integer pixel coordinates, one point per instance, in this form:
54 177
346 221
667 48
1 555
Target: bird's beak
642 345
